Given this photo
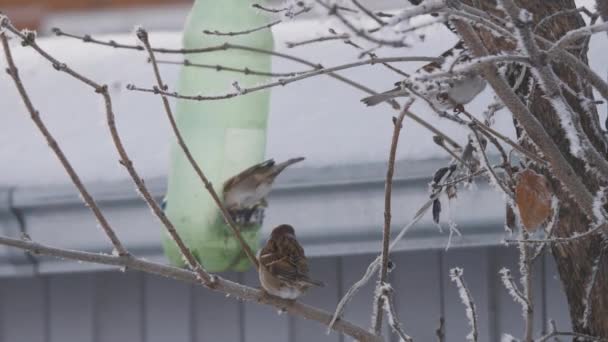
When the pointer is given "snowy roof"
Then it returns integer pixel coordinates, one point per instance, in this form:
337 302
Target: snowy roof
305 117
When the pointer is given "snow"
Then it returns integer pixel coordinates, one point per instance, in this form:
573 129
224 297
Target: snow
306 117
456 275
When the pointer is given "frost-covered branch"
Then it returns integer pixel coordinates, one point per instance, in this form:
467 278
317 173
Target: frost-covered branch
577 34
562 169
509 284
386 298
595 270
580 145
554 333
456 275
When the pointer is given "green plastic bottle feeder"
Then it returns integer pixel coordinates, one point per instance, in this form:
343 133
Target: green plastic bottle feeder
224 136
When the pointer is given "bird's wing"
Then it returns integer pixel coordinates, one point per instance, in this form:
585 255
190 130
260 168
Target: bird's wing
230 183
278 168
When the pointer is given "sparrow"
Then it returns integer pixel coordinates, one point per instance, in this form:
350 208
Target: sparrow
443 93
283 268
246 192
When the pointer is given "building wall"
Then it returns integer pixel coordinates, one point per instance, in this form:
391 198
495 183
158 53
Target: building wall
130 306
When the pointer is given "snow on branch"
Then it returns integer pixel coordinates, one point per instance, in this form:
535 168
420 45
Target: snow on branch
386 297
590 285
514 292
456 275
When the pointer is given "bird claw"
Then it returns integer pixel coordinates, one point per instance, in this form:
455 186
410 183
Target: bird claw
459 108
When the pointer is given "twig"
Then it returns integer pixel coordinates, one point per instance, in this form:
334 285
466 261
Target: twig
487 166
456 275
238 33
440 331
222 285
281 82
525 268
547 19
375 265
504 138
219 68
368 12
35 115
511 287
554 333
359 32
567 239
142 35
386 232
204 276
317 40
577 34
386 298
270 10
580 145
561 167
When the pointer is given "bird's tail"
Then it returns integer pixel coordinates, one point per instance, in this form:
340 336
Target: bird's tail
312 282
387 95
278 168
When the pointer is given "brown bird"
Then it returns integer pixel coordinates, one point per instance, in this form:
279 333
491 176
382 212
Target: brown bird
283 269
249 189
443 93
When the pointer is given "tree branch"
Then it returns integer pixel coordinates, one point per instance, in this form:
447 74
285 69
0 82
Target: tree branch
386 232
35 115
220 284
204 276
142 35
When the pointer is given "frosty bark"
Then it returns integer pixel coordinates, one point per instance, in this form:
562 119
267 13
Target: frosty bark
574 260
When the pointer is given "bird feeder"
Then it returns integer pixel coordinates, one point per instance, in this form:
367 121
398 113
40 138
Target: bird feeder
224 136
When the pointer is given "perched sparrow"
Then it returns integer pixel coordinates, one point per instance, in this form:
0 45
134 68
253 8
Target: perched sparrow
443 93
283 269
249 189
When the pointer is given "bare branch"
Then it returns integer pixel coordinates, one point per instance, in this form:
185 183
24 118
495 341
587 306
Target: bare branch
143 37
35 115
238 33
282 82
317 40
386 232
368 12
222 285
204 276
220 68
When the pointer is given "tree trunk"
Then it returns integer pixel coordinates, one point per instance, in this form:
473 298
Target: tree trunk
575 260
